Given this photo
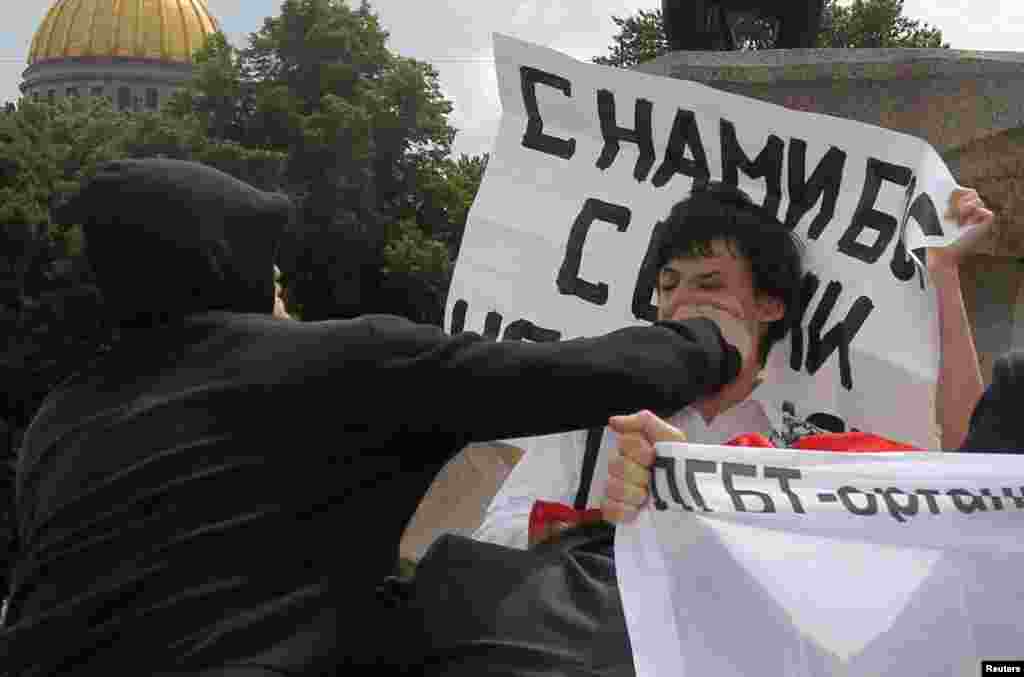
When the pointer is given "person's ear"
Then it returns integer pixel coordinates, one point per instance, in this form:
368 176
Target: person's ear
770 308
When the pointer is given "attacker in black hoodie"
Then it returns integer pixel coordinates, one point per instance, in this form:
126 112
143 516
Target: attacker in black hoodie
221 492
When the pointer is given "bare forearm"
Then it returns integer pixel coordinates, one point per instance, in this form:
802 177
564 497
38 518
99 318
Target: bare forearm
960 385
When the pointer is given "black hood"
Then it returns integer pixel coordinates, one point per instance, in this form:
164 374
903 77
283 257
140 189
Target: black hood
168 238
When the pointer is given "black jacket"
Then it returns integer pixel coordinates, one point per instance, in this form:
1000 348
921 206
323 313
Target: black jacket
225 487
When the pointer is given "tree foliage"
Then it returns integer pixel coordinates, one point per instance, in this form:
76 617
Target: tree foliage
875 23
366 136
863 23
641 37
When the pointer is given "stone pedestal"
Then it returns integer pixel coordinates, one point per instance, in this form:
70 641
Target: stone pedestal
968 105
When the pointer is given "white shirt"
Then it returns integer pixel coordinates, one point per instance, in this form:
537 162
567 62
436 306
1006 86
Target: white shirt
551 466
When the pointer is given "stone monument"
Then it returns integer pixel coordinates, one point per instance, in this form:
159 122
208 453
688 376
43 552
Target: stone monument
709 24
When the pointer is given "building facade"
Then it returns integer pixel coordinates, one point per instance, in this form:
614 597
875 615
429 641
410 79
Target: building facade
134 52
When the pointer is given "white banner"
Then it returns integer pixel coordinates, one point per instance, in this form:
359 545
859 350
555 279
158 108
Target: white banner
809 564
588 159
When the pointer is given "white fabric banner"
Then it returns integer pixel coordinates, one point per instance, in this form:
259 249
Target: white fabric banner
811 564
589 158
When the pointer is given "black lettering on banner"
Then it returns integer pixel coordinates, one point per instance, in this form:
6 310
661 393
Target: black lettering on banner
807 291
492 322
1018 501
804 193
895 509
997 501
535 138
694 466
568 281
784 475
966 502
929 497
524 329
923 211
642 134
838 337
667 464
902 267
768 164
684 135
871 508
866 216
492 325
729 470
459 316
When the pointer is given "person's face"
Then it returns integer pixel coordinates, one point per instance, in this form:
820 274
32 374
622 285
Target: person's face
723 279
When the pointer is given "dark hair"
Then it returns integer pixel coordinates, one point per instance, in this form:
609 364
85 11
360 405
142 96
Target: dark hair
717 211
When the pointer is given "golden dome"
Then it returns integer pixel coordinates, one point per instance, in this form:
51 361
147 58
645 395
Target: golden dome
164 30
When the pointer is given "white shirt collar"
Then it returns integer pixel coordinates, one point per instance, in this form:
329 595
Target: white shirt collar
752 415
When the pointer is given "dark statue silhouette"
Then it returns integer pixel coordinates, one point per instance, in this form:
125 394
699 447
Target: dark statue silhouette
710 24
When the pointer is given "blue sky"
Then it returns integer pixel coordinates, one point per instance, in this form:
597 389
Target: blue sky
455 35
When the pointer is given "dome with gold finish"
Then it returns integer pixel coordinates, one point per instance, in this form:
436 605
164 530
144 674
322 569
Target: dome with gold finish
134 51
162 30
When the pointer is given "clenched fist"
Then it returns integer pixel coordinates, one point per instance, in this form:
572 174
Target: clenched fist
728 315
629 471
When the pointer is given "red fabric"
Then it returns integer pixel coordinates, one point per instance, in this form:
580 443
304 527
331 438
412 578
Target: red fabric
546 512
750 440
849 442
858 441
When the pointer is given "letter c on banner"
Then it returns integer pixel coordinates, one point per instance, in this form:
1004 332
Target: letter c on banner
535 138
923 211
569 281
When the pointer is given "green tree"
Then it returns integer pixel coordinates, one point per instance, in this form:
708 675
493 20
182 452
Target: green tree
423 245
864 23
641 37
875 23
216 95
366 136
446 190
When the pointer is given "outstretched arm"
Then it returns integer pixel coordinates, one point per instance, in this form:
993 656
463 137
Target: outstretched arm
501 389
960 384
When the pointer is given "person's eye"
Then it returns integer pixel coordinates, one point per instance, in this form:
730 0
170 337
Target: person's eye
667 287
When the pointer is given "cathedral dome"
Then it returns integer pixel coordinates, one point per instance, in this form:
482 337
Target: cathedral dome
134 52
159 30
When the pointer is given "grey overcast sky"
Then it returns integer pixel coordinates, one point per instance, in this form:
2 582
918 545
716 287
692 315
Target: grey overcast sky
455 35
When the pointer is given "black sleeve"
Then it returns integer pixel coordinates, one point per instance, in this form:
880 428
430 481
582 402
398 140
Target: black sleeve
487 390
